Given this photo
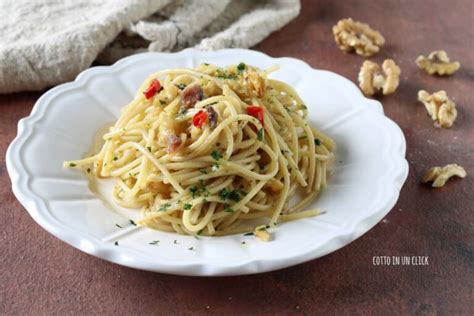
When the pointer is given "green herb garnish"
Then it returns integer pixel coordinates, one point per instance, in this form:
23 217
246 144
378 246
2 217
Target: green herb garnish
248 234
216 155
154 242
118 225
164 207
181 86
241 67
260 134
72 165
228 209
191 248
221 74
193 191
317 142
203 171
132 222
226 194
88 170
187 206
149 148
116 243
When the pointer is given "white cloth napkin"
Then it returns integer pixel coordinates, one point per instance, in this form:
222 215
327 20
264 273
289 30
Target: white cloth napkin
44 43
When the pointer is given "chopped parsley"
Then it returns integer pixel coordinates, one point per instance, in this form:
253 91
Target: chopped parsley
243 242
241 67
149 148
199 233
181 86
116 243
216 155
260 134
191 248
72 165
187 206
248 234
221 74
88 170
115 158
194 191
226 194
317 142
228 209
303 107
205 64
154 242
162 102
118 225
164 207
132 222
203 171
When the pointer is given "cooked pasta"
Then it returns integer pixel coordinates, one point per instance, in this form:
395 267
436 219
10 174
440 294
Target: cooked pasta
212 151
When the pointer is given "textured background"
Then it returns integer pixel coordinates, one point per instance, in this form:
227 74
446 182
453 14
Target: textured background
40 274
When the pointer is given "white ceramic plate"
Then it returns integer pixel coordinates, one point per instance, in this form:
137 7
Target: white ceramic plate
368 173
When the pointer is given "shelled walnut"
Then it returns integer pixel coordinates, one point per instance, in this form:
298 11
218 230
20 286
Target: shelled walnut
356 36
438 63
373 78
439 107
439 175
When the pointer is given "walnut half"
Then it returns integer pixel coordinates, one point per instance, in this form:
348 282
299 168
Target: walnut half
439 107
373 78
439 175
356 36
438 63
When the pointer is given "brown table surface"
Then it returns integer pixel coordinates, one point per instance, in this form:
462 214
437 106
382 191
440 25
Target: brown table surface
40 274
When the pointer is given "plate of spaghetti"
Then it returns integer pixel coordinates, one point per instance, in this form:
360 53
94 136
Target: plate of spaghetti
207 163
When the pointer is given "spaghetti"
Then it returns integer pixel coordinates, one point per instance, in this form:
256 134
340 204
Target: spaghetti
207 150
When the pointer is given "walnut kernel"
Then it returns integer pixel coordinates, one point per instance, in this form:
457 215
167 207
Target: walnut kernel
439 107
439 175
438 63
356 36
373 78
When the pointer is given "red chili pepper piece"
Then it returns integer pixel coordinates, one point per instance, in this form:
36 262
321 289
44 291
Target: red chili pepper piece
256 112
152 89
200 118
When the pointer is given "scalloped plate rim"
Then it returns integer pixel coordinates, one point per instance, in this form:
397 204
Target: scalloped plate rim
34 203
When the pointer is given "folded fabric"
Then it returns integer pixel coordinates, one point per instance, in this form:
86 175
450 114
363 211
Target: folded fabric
44 43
